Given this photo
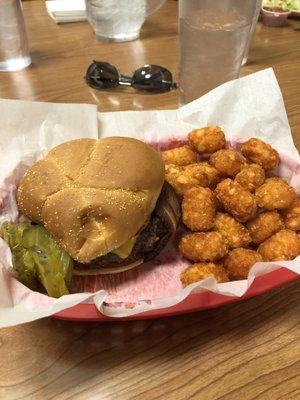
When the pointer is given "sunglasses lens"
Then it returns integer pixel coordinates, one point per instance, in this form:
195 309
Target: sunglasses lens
152 78
102 75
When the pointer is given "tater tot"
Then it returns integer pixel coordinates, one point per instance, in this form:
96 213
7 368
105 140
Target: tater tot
259 152
239 261
172 174
200 271
291 216
183 155
218 204
203 246
235 234
275 194
227 161
198 209
251 177
283 245
189 176
264 225
237 201
207 140
205 173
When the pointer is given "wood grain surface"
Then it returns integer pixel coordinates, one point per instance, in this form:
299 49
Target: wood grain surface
249 350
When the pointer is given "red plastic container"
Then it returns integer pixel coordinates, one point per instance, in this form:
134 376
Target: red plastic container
194 302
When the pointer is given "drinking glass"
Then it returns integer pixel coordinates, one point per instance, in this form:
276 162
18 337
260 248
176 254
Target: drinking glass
254 22
119 20
213 37
14 53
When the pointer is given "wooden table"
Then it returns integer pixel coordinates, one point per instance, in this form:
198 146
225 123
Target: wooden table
245 351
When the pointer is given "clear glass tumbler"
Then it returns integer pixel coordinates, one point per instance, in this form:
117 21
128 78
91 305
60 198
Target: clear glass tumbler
14 53
119 20
213 36
254 22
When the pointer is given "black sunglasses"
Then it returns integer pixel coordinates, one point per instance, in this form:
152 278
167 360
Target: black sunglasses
152 78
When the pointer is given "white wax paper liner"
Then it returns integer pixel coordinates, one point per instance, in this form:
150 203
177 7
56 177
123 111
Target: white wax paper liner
249 106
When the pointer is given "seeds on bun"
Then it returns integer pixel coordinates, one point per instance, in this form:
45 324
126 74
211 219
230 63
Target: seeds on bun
96 197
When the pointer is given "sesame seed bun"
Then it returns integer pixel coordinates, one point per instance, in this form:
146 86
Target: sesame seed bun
93 195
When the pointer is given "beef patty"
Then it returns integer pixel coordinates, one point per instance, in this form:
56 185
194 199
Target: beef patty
151 239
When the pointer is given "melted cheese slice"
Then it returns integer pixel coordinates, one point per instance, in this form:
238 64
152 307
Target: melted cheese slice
126 248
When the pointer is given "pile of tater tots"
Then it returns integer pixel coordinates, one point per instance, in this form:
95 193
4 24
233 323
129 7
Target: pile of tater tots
236 210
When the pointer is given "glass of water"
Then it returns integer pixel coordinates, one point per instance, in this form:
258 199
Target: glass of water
14 53
253 25
213 36
119 20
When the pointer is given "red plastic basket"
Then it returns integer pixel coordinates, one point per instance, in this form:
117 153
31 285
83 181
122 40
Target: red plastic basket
194 302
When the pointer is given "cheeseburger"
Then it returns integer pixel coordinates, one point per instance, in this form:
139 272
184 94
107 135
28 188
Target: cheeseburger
103 201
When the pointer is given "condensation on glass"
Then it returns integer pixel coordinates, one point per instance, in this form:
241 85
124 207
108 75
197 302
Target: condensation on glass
14 52
119 20
213 37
